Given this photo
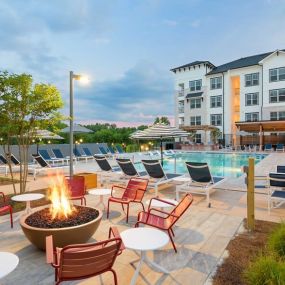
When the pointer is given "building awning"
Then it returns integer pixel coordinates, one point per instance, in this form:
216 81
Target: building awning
199 128
193 95
264 126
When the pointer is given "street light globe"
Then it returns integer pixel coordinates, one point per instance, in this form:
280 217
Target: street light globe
84 80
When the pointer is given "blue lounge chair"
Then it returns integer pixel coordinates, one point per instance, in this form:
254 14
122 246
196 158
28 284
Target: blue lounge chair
58 154
280 147
268 147
202 181
44 153
119 149
111 150
78 155
87 151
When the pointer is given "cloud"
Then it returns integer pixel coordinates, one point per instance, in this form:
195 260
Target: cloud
141 94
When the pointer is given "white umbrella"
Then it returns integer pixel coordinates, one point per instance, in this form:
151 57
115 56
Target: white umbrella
159 132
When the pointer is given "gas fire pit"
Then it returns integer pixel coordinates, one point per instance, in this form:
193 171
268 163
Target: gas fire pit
67 223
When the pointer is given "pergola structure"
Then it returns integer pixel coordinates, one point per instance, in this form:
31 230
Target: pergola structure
261 127
205 128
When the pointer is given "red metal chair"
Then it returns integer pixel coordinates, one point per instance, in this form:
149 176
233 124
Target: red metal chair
6 208
133 193
165 220
77 188
80 261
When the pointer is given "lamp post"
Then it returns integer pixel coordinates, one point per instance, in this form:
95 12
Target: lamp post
72 77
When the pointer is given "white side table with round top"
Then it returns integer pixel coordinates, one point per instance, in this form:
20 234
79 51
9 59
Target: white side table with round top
143 240
8 262
100 192
27 198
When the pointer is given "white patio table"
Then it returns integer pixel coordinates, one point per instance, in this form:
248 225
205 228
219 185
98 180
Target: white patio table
27 198
8 262
143 240
100 192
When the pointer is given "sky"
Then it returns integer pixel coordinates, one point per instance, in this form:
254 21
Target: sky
127 47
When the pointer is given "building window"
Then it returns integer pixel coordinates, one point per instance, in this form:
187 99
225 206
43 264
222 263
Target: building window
275 116
251 117
216 83
216 120
195 103
195 85
277 74
195 121
252 79
251 99
216 101
197 138
277 95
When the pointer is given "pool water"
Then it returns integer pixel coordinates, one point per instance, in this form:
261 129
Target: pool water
220 164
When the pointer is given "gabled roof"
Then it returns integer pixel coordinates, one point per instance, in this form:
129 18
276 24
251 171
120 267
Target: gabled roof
242 62
197 62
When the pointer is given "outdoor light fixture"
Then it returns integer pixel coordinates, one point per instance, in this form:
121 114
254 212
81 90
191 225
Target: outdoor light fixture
83 80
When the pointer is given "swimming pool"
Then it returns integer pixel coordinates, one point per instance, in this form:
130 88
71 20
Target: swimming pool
221 164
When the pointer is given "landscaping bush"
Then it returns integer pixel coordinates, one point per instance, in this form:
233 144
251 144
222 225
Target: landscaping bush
132 148
266 270
276 241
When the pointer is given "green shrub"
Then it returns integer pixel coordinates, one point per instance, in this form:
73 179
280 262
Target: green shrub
266 270
276 241
132 148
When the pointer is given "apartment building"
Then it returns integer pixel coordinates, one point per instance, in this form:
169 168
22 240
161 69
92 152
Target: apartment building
249 89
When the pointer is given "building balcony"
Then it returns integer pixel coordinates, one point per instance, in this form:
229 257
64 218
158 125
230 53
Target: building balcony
181 110
180 94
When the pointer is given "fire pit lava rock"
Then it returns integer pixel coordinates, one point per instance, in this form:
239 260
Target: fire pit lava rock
77 228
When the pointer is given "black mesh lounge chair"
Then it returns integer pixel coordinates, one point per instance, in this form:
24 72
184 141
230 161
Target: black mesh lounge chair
78 155
202 180
128 168
157 174
4 163
44 153
276 192
44 165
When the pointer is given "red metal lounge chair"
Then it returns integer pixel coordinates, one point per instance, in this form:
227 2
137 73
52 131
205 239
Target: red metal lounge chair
165 220
6 208
80 261
133 193
77 188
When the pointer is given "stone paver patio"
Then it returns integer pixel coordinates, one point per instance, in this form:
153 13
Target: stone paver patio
201 237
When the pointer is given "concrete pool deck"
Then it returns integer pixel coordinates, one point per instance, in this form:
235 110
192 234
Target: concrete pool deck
201 236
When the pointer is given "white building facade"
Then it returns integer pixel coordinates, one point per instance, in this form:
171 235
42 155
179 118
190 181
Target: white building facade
247 89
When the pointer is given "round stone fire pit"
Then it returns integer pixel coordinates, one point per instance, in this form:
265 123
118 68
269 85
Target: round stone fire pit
77 228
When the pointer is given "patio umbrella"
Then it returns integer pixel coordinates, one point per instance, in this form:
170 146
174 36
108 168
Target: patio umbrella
159 132
77 129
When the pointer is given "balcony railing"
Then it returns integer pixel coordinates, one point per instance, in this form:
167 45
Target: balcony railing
181 110
184 92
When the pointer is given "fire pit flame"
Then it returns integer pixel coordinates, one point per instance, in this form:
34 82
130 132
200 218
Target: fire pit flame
59 195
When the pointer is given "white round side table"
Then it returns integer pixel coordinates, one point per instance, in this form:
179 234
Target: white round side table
8 262
100 192
143 240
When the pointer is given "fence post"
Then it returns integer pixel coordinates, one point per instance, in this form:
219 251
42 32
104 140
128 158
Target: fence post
250 194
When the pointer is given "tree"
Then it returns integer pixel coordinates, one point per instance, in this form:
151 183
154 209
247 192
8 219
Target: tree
162 120
25 107
215 135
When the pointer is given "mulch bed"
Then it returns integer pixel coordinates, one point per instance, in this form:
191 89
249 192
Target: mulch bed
242 249
43 218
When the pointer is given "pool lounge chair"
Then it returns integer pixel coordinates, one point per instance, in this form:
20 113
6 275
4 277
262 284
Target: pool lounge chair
276 190
202 181
58 154
87 151
113 173
157 175
79 156
280 147
4 163
268 147
15 163
44 153
128 168
43 165
119 149
111 150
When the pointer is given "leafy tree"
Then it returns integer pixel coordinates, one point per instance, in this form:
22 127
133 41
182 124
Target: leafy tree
25 107
162 120
215 135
